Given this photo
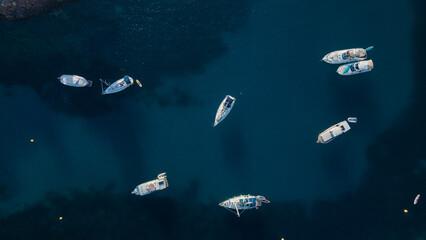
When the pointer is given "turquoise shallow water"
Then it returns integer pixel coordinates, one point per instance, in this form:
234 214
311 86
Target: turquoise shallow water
189 55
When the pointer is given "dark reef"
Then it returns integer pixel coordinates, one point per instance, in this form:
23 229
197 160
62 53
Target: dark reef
149 40
13 10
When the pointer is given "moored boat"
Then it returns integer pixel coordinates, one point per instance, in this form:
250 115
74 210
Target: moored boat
139 83
355 68
347 55
117 86
352 119
224 109
74 81
243 202
332 132
149 187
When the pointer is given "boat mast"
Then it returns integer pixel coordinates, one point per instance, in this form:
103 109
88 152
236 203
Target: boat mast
102 86
236 208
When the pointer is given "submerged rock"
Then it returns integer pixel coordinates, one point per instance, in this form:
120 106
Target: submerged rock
13 10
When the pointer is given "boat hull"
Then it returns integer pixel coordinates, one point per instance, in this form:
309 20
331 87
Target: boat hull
356 68
224 109
332 132
152 186
118 86
239 204
345 56
243 202
74 81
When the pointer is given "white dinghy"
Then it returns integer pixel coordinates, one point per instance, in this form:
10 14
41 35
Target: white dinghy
347 55
352 119
332 132
355 68
242 203
74 81
117 86
224 109
149 187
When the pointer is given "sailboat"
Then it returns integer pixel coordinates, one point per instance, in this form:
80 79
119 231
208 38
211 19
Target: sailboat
224 109
241 203
116 86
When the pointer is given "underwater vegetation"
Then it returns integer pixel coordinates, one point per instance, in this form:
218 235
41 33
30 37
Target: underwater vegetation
148 40
13 10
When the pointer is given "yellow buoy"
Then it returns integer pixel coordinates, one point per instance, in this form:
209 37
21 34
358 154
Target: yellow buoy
60 218
31 140
405 211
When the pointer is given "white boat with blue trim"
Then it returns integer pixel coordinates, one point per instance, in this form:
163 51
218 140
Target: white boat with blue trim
152 186
243 203
74 81
117 86
224 109
347 55
355 68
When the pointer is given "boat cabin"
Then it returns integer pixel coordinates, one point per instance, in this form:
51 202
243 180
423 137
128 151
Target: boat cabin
126 81
228 102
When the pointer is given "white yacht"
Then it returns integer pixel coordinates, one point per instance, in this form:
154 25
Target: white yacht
243 202
355 68
74 81
347 55
224 109
149 187
117 86
332 132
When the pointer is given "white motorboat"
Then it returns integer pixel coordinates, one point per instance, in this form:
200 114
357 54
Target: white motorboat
117 86
149 187
347 55
74 81
355 68
243 202
332 132
224 109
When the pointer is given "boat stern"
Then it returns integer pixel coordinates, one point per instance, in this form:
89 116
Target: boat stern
370 64
163 177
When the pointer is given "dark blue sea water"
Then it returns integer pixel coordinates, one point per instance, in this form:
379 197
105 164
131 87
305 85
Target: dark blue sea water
90 151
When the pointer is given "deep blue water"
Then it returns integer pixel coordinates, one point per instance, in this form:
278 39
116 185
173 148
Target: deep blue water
90 151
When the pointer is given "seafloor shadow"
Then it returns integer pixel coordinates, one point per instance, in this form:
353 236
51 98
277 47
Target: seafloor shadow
147 40
396 173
